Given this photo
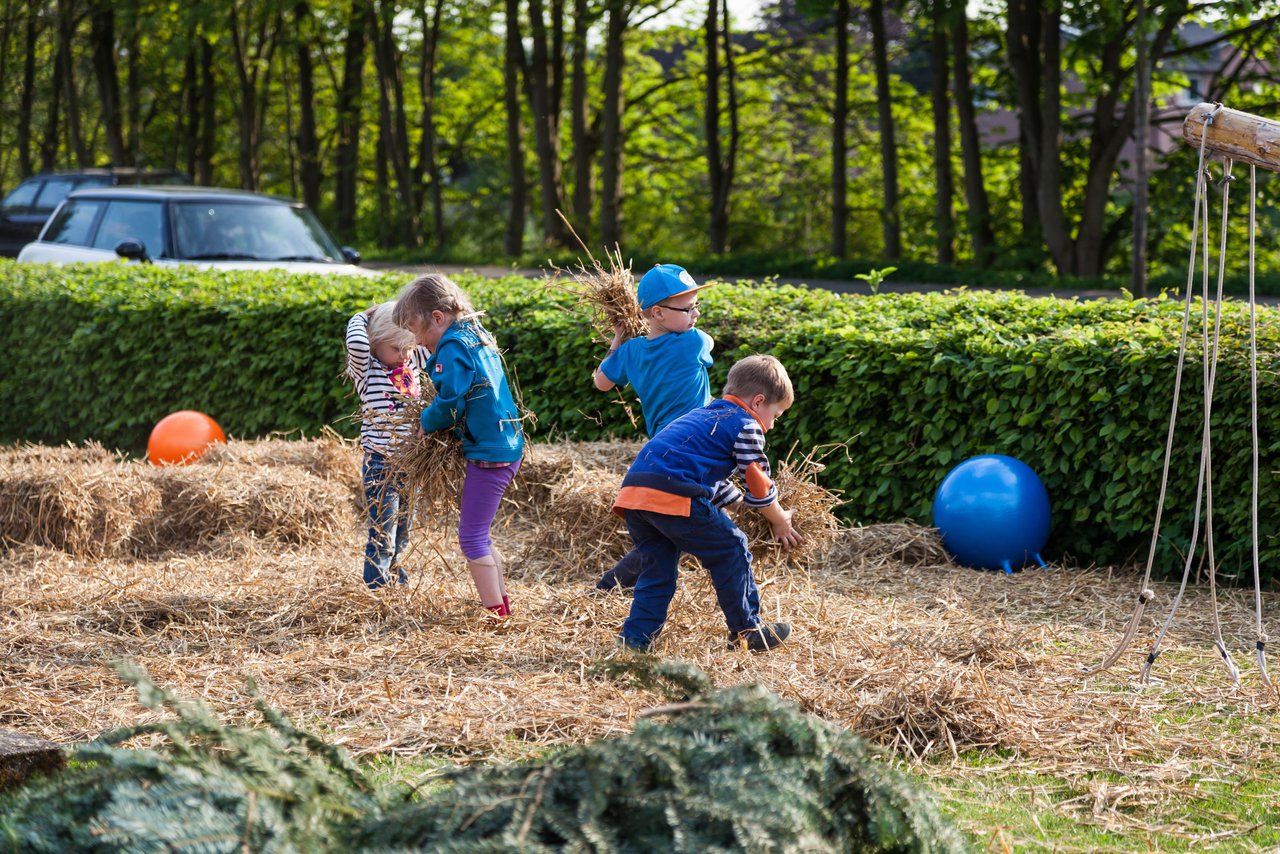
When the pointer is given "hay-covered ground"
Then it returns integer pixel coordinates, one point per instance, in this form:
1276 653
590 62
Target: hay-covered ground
248 565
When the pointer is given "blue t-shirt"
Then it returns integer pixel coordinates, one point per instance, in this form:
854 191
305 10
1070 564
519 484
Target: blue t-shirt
669 374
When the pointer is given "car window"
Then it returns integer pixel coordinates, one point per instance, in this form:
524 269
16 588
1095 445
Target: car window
93 181
72 223
22 196
142 221
217 229
55 190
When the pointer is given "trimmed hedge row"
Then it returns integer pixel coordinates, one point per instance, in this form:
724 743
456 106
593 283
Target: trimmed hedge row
913 383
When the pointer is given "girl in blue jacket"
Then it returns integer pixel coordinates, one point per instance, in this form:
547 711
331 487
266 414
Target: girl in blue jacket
473 399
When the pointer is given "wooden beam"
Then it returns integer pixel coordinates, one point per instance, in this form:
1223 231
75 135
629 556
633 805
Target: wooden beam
1243 137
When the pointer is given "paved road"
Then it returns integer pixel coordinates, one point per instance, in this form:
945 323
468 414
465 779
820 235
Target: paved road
839 286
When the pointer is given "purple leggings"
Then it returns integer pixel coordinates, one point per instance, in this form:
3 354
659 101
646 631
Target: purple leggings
481 494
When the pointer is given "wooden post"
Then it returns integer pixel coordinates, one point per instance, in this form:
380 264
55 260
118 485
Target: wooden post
23 755
1243 137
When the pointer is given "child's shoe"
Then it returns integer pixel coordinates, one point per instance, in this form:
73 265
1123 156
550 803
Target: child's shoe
499 612
763 637
506 603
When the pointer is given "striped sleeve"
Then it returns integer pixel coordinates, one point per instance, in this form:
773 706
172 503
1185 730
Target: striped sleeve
753 465
725 494
358 350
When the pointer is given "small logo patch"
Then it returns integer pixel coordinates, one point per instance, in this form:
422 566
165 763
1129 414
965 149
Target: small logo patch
439 368
687 280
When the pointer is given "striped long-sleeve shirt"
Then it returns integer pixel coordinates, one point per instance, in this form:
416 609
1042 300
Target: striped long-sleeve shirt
694 455
378 384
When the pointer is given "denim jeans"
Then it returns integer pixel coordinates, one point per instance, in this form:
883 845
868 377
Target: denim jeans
708 534
388 523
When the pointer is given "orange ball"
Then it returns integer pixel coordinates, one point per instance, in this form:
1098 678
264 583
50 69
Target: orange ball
181 437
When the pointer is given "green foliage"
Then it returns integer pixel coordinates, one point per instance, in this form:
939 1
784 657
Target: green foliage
1080 391
729 770
209 788
735 769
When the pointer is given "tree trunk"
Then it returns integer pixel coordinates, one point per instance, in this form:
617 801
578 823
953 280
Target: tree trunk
428 155
208 116
978 210
891 215
584 143
189 120
49 143
67 25
1142 130
26 101
839 136
720 164
248 102
133 93
391 80
349 100
944 217
102 31
546 126
611 131
308 141
513 238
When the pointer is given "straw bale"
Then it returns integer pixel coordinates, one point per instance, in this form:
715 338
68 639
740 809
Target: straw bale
901 543
63 500
89 452
328 456
289 505
577 532
546 464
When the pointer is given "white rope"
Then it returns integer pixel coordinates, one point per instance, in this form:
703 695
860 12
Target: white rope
1208 375
1261 643
1145 594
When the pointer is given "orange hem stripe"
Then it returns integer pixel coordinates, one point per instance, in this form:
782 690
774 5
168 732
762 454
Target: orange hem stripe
653 500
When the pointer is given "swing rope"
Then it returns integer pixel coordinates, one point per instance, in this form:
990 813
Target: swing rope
1261 643
1204 482
1146 594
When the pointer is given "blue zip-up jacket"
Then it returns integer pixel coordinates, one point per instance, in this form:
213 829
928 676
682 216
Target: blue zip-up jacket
694 453
473 396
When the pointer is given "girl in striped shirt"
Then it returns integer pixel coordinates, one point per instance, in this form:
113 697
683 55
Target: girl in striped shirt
382 359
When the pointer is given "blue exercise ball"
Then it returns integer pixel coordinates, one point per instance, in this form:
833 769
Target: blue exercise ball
993 513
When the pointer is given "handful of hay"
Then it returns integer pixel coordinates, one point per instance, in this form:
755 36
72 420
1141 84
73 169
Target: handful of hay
428 467
608 294
798 490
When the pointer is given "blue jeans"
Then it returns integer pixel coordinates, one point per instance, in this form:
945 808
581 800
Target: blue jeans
388 523
708 534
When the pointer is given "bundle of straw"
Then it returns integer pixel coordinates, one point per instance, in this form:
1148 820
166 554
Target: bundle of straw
609 295
428 468
798 490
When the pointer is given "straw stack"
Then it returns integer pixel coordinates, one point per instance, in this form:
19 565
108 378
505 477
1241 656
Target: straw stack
814 520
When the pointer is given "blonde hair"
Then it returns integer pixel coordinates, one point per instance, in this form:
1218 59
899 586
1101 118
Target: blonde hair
425 294
760 375
383 328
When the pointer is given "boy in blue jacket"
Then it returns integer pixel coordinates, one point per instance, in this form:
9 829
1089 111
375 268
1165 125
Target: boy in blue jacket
666 499
667 367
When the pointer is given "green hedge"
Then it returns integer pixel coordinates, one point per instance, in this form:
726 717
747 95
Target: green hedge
914 383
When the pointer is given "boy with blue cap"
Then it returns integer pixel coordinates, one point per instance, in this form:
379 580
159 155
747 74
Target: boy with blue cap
668 370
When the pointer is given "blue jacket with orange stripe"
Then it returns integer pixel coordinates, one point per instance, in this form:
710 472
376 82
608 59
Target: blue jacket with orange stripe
695 452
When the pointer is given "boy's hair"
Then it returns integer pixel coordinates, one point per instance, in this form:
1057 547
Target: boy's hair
760 375
425 294
383 328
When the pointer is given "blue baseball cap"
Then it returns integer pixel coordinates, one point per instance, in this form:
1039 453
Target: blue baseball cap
663 282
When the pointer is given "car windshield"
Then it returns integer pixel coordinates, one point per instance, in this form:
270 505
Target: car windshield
230 230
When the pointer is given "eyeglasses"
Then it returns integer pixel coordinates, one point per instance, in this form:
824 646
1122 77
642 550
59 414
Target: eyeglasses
693 309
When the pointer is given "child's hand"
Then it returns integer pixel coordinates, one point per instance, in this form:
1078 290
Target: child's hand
619 335
787 536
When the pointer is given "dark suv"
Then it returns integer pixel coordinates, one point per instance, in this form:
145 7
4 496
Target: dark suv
24 211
